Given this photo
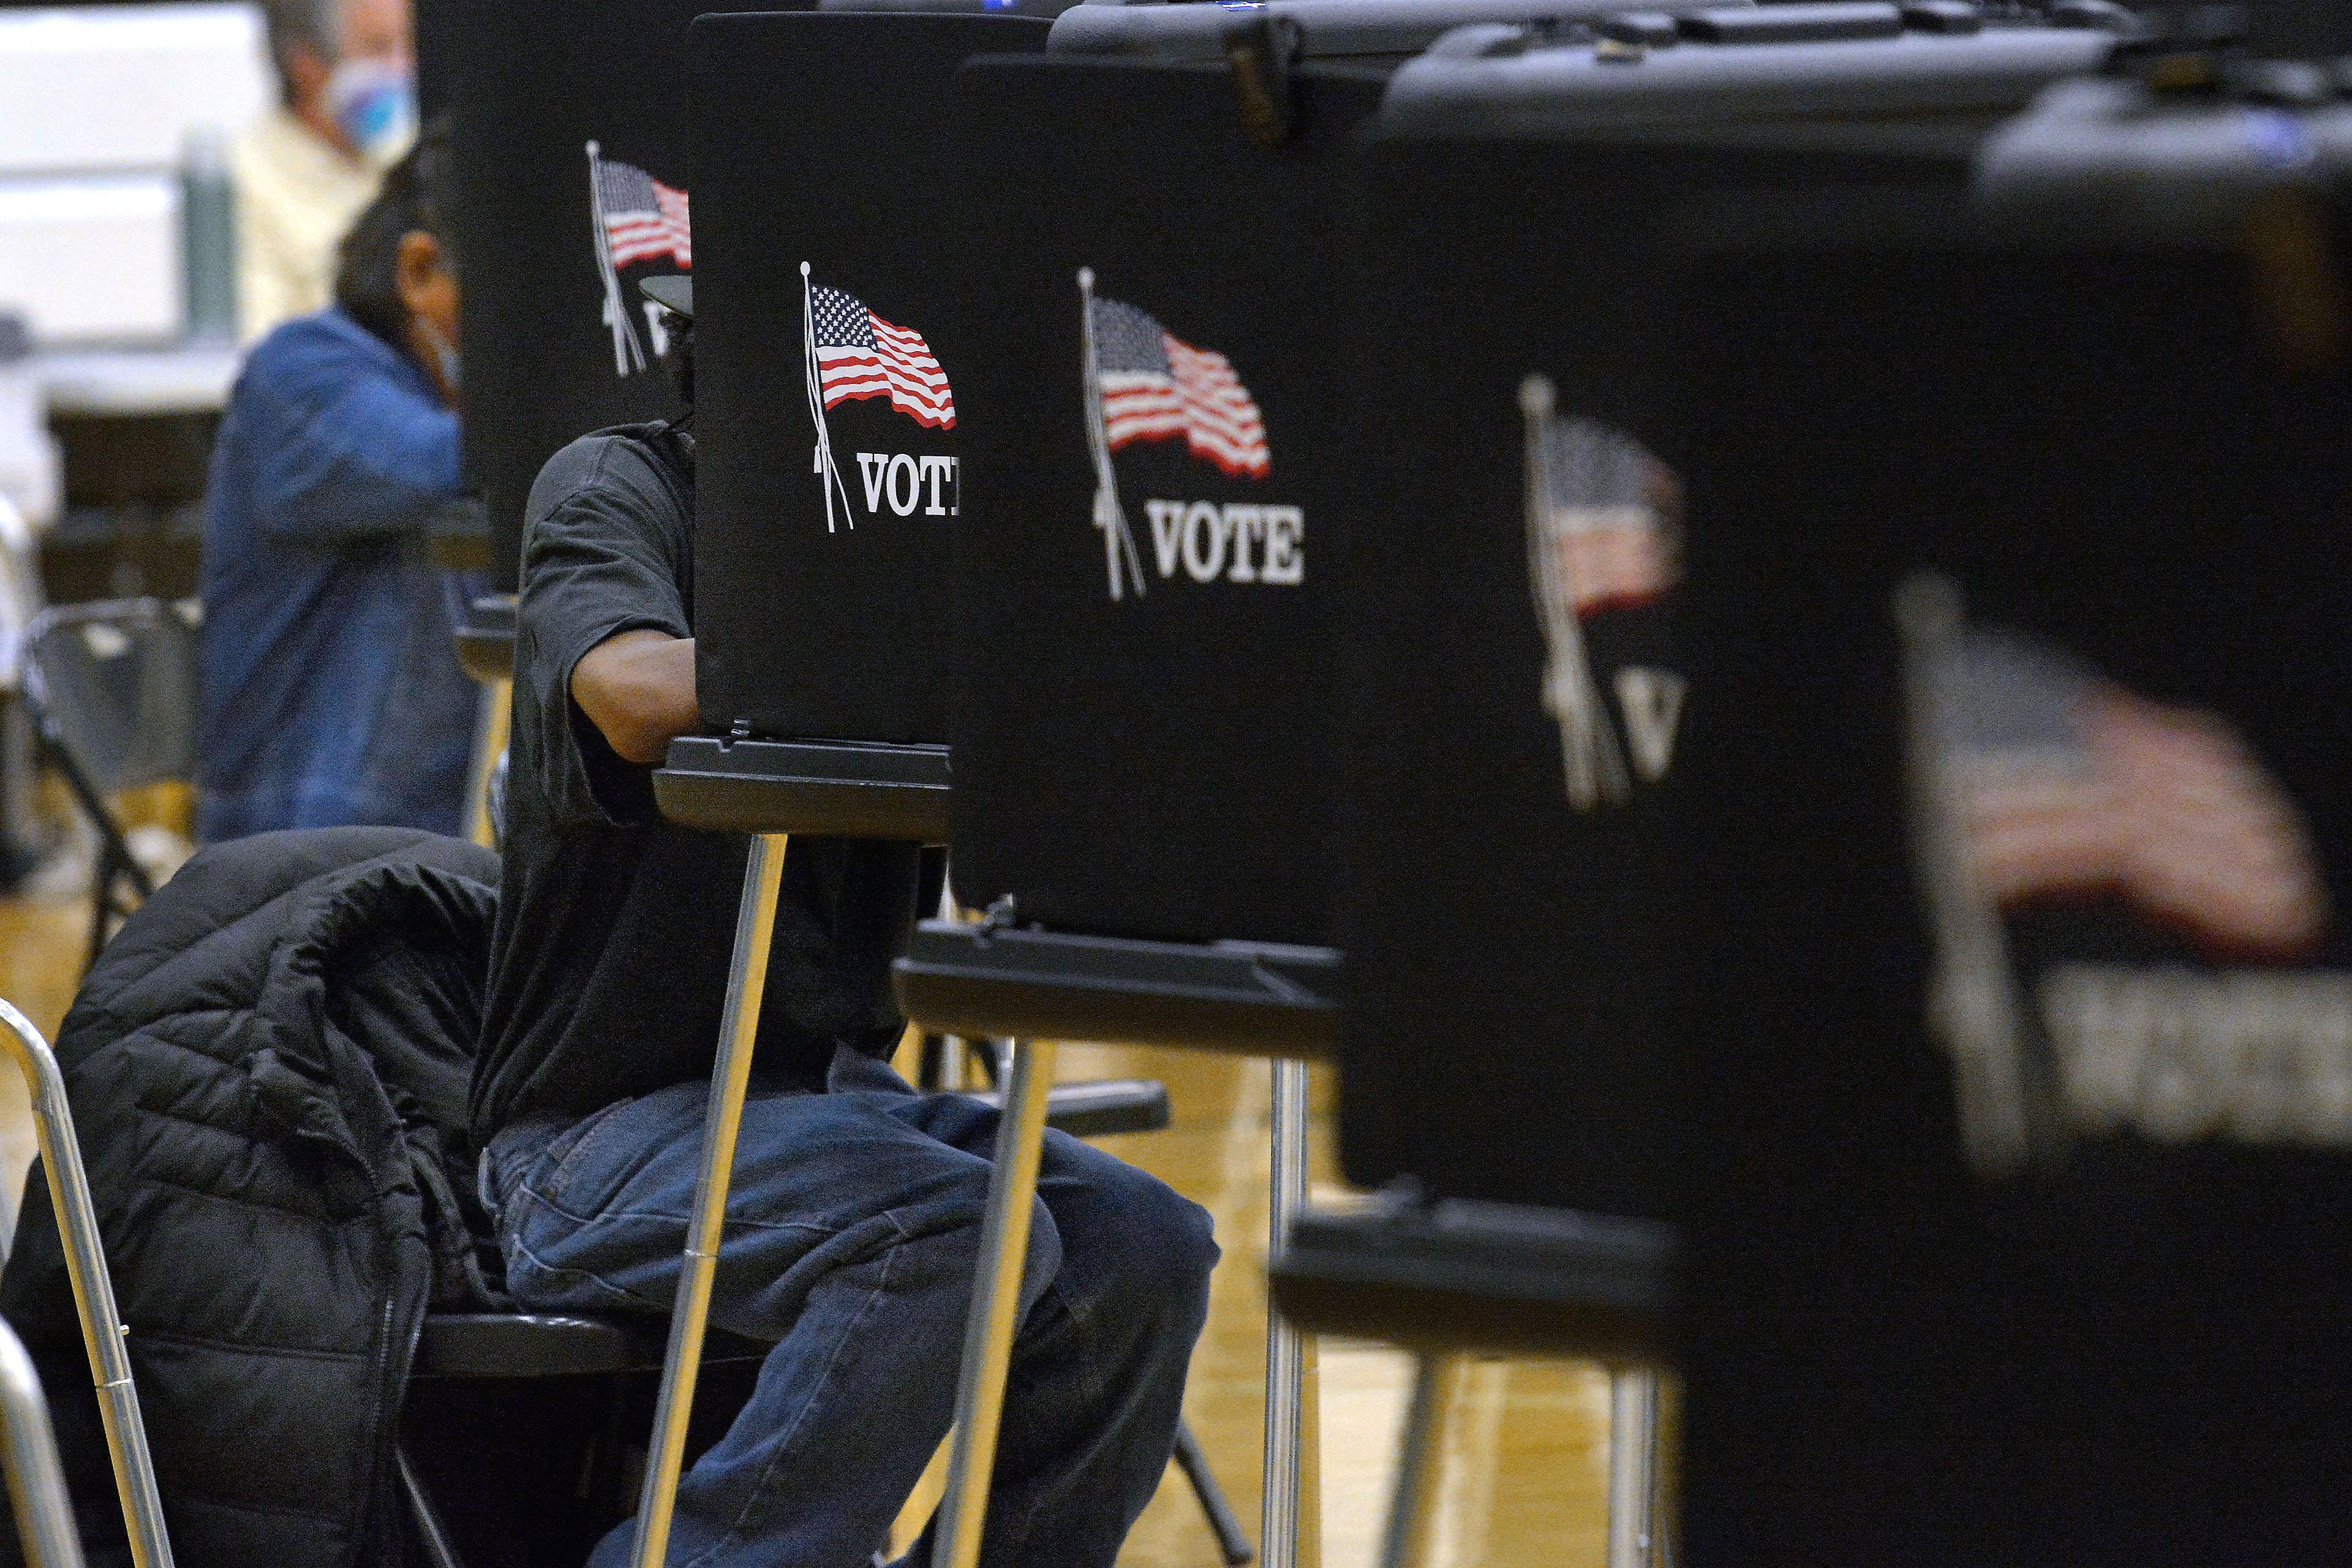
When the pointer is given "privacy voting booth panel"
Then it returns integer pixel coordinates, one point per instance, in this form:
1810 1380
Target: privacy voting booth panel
552 240
1141 734
1521 690
1143 636
836 321
2025 1097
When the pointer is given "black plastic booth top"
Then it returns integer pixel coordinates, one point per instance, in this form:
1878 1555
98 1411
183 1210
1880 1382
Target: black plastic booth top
1520 701
1919 63
1330 29
2018 764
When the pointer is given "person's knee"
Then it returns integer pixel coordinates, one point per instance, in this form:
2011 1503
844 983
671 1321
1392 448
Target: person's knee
1161 1248
954 1221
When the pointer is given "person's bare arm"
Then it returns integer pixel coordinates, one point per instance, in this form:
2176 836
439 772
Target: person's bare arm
637 689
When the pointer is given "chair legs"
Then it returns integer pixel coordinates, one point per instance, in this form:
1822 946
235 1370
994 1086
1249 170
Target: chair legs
491 718
115 860
431 1531
93 1290
1419 1446
1232 1544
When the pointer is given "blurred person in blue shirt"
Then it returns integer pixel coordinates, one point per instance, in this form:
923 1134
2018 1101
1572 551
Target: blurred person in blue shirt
332 691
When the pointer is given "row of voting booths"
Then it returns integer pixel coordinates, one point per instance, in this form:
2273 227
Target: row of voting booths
1724 607
1730 611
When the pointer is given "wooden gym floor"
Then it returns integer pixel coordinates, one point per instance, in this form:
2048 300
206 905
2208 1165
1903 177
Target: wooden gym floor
1522 1481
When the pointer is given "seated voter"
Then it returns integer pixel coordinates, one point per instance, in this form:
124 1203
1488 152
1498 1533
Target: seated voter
332 691
853 1223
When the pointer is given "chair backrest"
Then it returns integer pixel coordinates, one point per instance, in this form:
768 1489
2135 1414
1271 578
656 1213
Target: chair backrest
115 685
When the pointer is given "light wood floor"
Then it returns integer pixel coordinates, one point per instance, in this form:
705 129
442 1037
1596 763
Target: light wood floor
1522 1481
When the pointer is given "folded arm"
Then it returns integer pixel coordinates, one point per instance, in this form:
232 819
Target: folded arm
637 689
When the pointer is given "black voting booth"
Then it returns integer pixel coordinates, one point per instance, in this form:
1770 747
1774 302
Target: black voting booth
1144 691
1519 889
551 239
2021 1158
834 322
829 319
1518 868
1140 719
1114 777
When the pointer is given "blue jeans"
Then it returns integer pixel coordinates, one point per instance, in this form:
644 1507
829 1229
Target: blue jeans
853 1235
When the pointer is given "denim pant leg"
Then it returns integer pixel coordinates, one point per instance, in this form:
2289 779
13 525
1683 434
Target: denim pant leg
1096 1382
852 1237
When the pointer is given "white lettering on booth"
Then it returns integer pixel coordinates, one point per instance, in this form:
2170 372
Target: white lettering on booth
1242 540
903 464
1167 526
1285 546
936 470
1248 525
1205 522
906 482
870 468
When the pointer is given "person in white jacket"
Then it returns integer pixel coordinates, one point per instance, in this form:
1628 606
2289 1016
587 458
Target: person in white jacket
346 111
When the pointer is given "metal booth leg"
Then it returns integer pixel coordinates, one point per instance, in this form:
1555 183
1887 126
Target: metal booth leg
1632 1448
953 1068
755 926
1418 1450
996 1297
1290 1531
102 1325
37 1482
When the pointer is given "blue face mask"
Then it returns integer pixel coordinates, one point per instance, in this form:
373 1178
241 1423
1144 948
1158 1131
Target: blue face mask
374 104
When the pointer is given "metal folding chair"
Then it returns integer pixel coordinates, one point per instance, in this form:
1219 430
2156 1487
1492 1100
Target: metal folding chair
102 1328
113 688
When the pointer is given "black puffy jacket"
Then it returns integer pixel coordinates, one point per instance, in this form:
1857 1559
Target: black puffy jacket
267 1068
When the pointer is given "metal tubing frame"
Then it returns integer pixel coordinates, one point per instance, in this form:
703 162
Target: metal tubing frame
953 1068
1420 1447
1633 1451
996 1299
1233 1544
1280 1532
37 1482
755 928
102 1328
432 1530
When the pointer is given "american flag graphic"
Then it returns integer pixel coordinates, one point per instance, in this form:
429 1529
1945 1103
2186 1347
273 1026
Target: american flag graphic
2069 786
1156 386
1604 539
643 217
859 354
